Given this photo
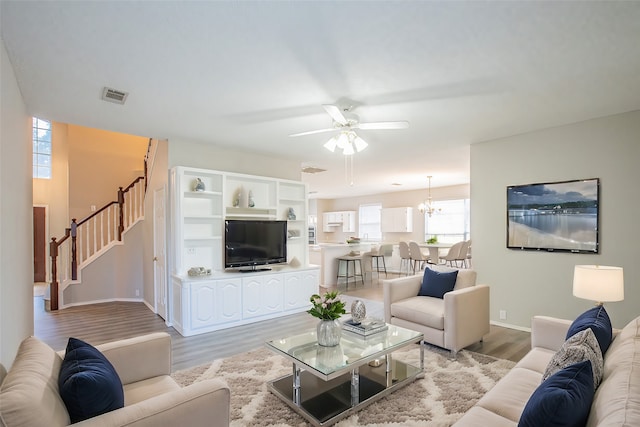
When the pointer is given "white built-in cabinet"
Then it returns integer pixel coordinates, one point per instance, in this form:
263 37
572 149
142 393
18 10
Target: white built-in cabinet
205 304
224 299
344 221
396 220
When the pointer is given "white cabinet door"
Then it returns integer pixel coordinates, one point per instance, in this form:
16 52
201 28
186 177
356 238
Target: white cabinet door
397 220
349 222
272 289
262 295
293 291
298 288
229 296
203 304
214 302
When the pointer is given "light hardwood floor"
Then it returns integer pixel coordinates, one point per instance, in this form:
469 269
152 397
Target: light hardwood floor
99 323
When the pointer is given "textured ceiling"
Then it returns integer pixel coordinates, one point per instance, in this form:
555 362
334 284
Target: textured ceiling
247 74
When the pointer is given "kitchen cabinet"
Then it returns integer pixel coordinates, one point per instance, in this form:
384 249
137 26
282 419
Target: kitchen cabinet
396 220
344 221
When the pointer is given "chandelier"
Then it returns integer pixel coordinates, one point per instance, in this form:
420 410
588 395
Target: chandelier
348 141
426 207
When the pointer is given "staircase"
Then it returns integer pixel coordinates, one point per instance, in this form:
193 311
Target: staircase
86 240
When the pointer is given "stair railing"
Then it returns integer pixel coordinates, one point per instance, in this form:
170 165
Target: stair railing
93 235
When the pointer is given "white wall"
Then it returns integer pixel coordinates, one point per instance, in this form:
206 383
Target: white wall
16 243
115 275
526 283
398 199
207 156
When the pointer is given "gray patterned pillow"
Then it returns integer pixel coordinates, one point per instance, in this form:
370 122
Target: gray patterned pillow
579 347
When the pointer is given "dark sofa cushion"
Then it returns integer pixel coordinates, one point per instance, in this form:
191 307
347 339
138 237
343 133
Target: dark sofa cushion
436 283
597 319
562 400
88 383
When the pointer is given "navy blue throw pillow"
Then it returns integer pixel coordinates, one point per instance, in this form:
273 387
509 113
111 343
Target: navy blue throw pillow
88 383
598 321
436 283
562 400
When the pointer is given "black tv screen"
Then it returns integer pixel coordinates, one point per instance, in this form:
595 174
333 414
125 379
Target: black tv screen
255 242
554 216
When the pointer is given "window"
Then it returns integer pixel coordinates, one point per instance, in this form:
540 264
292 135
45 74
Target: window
41 148
450 222
369 222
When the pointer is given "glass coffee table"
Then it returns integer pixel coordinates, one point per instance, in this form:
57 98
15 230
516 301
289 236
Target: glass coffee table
328 384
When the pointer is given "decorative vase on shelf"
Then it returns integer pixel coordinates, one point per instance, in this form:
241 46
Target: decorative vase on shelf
236 199
329 332
251 203
291 214
199 185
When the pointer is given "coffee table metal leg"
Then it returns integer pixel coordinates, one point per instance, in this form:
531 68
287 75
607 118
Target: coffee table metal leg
355 387
297 398
421 356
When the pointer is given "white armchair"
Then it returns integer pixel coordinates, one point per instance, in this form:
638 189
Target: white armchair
458 320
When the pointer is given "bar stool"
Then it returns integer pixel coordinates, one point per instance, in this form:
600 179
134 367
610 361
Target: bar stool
346 260
384 250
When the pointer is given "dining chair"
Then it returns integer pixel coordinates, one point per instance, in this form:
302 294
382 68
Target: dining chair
453 254
418 258
405 256
462 255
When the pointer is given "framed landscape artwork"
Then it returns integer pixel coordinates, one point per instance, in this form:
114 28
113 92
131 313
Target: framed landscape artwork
554 216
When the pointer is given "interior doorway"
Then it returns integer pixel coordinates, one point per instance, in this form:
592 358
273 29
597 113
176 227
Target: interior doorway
159 252
39 244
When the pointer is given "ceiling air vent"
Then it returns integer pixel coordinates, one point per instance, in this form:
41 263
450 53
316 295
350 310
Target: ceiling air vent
312 169
113 95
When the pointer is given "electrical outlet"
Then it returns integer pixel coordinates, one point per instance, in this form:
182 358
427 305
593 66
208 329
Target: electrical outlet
191 251
137 292
503 314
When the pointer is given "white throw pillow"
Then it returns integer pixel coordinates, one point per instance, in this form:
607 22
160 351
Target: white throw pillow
581 346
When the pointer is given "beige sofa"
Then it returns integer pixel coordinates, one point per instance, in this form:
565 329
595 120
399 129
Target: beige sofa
617 399
29 392
458 320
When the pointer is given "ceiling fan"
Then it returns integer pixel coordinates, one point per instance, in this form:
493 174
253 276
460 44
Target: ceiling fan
344 120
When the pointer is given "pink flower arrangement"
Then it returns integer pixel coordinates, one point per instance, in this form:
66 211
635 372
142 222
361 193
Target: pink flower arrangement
327 307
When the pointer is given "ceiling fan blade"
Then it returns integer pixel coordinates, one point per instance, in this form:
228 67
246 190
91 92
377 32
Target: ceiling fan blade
335 113
311 132
383 125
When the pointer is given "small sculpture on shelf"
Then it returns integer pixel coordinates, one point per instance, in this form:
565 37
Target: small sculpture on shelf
199 185
358 311
236 199
251 202
291 214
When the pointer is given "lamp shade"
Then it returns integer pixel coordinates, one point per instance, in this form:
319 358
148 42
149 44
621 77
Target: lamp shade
598 283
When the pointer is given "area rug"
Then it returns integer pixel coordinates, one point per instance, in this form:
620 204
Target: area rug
448 390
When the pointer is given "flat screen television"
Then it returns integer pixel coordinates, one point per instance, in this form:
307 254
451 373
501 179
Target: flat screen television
252 243
554 216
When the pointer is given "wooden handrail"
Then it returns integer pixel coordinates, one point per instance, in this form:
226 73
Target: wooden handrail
72 232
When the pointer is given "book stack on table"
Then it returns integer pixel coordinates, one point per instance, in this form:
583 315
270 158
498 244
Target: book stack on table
366 327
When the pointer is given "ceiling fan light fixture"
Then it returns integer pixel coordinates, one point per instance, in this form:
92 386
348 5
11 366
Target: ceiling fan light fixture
331 144
360 143
348 149
343 140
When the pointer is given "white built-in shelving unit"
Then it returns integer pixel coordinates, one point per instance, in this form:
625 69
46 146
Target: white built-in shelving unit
226 298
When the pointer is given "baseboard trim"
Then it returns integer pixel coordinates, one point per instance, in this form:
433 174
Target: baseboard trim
100 301
510 326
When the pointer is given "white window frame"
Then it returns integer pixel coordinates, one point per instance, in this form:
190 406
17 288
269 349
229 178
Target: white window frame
461 231
42 148
370 224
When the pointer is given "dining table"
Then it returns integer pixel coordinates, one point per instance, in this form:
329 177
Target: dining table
434 250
